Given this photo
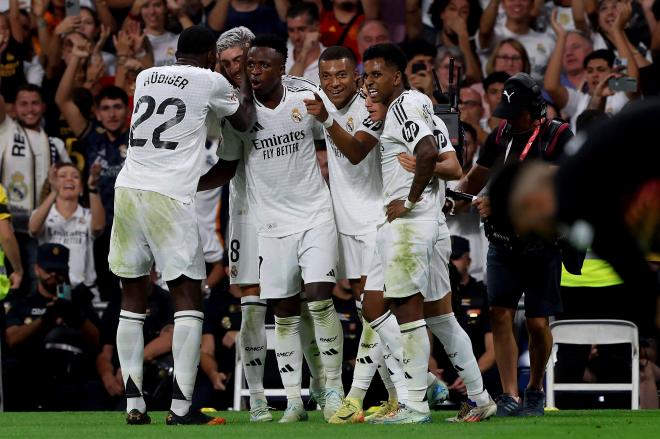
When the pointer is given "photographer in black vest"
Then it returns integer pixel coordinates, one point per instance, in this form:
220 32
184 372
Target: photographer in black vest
516 266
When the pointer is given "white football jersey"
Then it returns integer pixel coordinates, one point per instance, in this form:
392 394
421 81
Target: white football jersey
409 118
444 144
286 191
174 105
239 210
357 190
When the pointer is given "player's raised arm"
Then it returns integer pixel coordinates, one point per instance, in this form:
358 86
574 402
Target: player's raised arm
355 148
244 117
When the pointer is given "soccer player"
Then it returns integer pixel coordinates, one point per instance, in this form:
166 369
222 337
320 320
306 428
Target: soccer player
412 125
297 238
244 260
155 217
357 192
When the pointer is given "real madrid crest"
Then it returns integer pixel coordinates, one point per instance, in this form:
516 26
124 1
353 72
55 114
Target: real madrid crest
234 271
350 125
226 322
296 115
17 189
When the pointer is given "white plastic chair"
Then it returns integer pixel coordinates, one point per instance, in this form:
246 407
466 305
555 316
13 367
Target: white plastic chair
240 386
590 332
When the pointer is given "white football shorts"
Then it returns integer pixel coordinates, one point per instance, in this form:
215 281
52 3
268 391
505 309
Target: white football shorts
243 254
150 227
357 258
405 249
286 262
439 285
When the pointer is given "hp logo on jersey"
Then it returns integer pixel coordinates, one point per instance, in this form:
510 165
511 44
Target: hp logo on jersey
410 131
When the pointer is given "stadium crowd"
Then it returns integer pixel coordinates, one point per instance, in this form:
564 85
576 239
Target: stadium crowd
67 83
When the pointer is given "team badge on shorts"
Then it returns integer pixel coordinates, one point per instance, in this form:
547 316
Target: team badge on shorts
350 125
296 115
234 271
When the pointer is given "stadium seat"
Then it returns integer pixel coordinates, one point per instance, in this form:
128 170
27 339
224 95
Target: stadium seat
240 386
591 332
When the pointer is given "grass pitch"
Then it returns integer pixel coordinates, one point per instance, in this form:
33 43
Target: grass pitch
619 424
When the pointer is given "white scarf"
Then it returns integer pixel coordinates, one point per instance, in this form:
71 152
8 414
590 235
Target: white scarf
24 166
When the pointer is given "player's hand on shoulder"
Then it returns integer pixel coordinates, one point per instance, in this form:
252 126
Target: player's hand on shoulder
316 108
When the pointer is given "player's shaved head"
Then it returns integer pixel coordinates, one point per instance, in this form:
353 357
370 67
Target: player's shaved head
273 42
194 41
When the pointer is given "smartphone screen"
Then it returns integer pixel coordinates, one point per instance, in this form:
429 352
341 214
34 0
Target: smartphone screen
72 7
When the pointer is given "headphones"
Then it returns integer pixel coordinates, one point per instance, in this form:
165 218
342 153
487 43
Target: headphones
538 108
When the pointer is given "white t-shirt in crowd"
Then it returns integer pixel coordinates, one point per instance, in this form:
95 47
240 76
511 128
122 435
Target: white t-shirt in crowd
286 191
75 234
174 106
409 118
164 48
579 101
357 190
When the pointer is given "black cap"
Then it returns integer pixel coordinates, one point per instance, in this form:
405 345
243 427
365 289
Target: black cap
459 246
53 257
518 95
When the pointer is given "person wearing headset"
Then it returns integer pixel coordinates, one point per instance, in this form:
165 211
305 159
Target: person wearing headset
514 265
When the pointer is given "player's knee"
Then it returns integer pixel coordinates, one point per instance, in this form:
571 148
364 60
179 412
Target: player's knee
501 316
538 326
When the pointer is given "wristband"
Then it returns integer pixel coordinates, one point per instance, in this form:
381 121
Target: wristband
328 122
409 205
93 189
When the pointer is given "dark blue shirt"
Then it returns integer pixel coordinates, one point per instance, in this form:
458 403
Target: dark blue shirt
111 153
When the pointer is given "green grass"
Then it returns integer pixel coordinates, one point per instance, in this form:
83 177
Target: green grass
619 424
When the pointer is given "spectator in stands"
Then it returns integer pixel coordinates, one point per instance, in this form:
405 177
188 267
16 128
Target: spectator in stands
303 46
577 47
493 86
442 63
458 21
105 139
13 53
27 153
61 219
98 34
599 66
508 56
421 55
339 25
470 303
517 26
574 14
158 330
371 32
253 14
471 107
637 30
154 16
53 337
9 247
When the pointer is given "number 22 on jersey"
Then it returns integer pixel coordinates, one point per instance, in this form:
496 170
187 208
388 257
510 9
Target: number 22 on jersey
150 103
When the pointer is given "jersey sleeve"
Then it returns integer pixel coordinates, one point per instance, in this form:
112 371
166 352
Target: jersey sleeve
232 146
4 209
223 100
442 136
373 128
412 123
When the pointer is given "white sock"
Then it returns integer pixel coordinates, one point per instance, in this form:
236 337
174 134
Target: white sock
394 369
253 345
130 349
330 340
430 378
186 342
311 350
369 356
458 347
416 351
389 332
288 351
